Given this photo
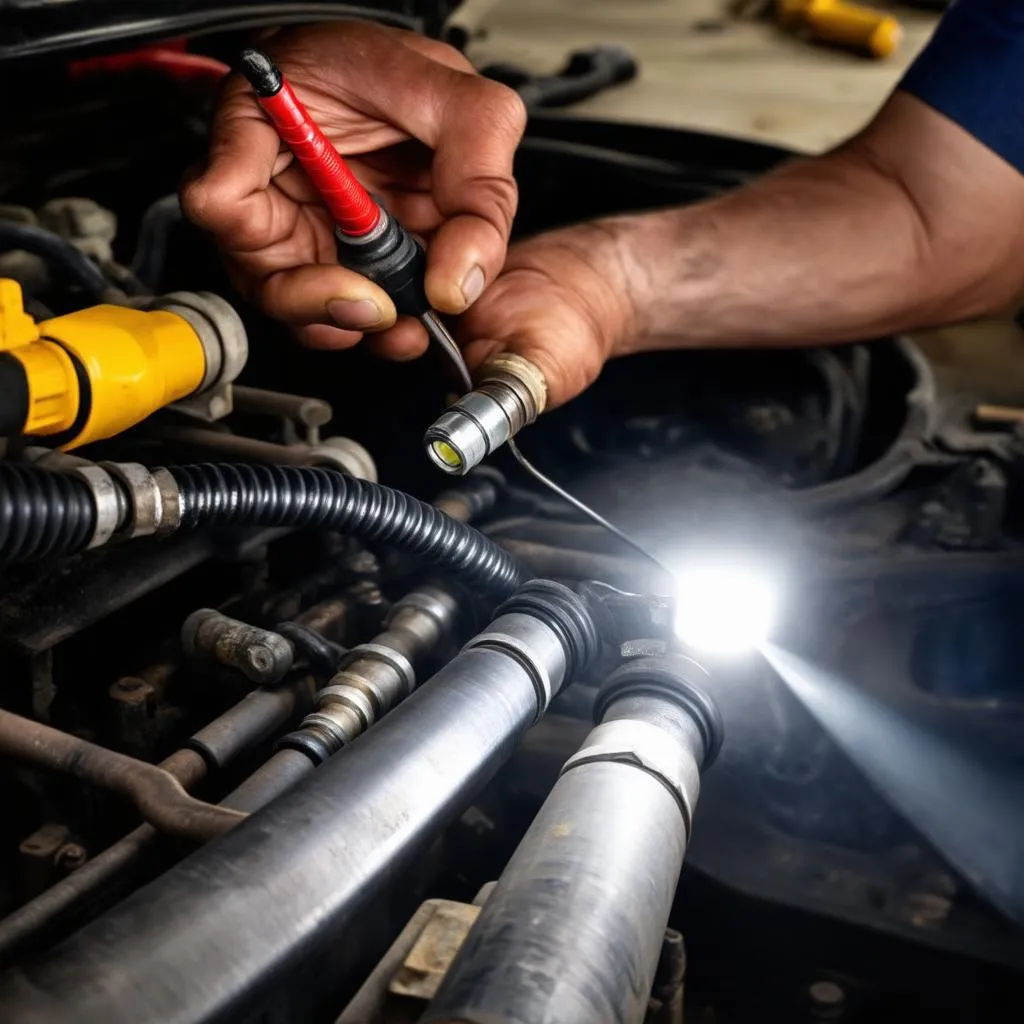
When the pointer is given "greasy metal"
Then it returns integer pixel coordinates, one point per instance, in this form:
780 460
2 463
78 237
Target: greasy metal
308 870
156 793
111 510
648 746
574 929
258 715
170 501
312 413
336 452
261 655
145 502
535 645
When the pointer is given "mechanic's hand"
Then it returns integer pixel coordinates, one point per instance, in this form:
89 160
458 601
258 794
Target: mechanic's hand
431 137
563 301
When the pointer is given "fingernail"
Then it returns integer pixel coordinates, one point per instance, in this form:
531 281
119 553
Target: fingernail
354 313
473 284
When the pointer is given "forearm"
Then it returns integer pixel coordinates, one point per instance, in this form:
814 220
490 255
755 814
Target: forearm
891 231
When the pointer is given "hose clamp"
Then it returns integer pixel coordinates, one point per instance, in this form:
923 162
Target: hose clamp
535 646
111 507
146 503
170 501
645 746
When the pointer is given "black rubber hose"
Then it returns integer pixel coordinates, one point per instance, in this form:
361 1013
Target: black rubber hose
227 494
42 513
74 265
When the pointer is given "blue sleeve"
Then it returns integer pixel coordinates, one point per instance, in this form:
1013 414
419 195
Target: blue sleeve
973 72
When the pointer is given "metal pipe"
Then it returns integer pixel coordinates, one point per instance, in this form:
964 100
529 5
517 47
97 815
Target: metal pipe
159 797
114 870
573 930
371 679
218 931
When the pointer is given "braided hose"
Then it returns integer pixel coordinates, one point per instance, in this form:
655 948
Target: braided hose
42 513
227 494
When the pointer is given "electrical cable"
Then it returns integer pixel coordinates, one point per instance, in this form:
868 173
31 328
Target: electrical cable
454 354
61 254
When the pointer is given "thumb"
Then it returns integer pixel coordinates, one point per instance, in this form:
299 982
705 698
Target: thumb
547 322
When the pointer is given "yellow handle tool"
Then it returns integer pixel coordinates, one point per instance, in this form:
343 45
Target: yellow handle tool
843 24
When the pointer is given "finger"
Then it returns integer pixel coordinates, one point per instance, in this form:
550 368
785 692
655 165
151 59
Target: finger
474 190
323 337
321 293
474 125
229 198
405 341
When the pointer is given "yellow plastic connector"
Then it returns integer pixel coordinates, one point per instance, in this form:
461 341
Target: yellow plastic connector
95 372
136 362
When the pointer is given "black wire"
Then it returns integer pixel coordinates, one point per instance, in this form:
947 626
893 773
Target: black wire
60 254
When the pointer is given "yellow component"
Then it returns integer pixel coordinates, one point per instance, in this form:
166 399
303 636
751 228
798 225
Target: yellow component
136 362
447 454
52 388
49 371
843 24
16 326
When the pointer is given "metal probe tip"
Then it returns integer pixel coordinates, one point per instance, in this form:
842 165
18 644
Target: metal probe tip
261 72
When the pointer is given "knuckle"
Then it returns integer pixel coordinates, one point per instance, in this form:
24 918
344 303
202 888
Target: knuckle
505 107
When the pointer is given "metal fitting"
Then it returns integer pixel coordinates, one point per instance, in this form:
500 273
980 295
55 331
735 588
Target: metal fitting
345 454
510 394
259 654
170 501
648 747
535 646
655 715
145 500
225 346
109 499
374 677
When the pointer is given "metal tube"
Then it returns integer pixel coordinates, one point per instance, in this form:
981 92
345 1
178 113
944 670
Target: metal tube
159 796
219 930
114 870
573 930
372 679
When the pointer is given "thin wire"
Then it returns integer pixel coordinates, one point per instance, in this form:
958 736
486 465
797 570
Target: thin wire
439 333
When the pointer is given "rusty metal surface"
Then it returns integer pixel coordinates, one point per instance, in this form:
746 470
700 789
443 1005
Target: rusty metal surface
159 797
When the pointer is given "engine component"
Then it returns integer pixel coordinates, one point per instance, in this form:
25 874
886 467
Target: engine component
371 679
259 654
510 393
94 373
47 512
305 868
159 796
573 930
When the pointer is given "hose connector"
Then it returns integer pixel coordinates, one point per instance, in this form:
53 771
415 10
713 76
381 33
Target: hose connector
510 394
93 373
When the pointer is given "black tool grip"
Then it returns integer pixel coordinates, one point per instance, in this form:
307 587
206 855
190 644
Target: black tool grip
392 259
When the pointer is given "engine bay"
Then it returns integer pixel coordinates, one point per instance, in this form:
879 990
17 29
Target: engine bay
281 701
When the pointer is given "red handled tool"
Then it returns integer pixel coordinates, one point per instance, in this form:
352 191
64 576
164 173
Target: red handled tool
370 241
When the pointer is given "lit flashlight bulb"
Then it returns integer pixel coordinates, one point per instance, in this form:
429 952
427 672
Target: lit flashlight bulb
511 393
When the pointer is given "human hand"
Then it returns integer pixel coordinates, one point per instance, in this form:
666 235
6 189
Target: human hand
566 301
418 127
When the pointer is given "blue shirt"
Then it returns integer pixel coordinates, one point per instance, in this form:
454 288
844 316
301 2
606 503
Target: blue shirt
973 72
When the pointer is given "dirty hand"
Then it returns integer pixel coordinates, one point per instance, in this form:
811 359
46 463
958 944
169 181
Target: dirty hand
563 301
423 131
